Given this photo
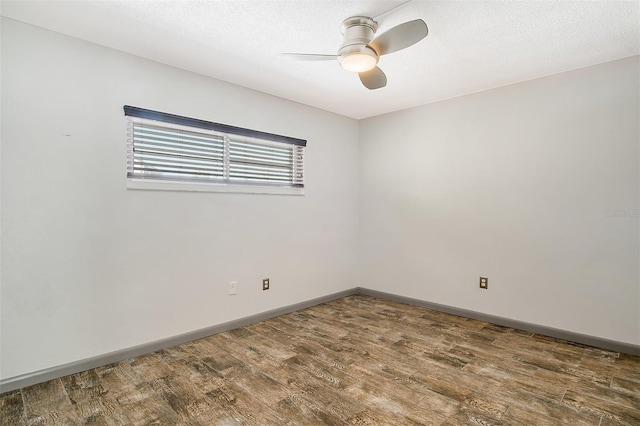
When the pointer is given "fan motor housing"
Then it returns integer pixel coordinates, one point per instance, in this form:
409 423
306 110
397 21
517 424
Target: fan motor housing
357 30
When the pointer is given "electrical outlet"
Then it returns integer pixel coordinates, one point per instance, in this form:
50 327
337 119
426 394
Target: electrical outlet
265 284
484 282
233 287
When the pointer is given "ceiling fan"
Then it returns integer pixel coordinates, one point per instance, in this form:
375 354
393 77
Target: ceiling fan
360 51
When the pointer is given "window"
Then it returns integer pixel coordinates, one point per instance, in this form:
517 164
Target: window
186 153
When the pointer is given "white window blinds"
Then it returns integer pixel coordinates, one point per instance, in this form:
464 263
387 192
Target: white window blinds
168 147
157 151
252 161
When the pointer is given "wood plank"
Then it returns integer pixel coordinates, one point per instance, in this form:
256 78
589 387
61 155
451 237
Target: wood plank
185 398
378 400
241 405
151 411
211 352
91 401
370 417
600 407
197 372
12 408
469 416
606 393
529 416
515 380
302 411
627 386
48 404
254 382
522 403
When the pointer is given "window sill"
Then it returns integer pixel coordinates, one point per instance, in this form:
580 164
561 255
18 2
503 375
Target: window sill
157 185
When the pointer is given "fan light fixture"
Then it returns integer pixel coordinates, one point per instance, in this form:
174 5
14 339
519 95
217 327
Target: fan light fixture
358 58
358 62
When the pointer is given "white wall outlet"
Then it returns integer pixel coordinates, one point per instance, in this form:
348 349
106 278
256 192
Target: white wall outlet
233 287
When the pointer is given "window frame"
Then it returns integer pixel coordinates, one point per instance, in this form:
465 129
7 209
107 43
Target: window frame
229 133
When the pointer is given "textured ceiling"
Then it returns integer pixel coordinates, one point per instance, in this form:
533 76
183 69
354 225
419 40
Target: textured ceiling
471 46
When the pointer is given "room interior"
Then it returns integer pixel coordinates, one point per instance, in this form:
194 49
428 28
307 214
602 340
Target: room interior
505 145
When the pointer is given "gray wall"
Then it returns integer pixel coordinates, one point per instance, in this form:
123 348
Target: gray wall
515 184
89 267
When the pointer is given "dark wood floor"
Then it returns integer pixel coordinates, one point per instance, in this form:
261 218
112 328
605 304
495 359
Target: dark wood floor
358 361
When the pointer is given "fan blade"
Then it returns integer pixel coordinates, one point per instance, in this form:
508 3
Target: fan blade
393 9
309 56
373 79
400 37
